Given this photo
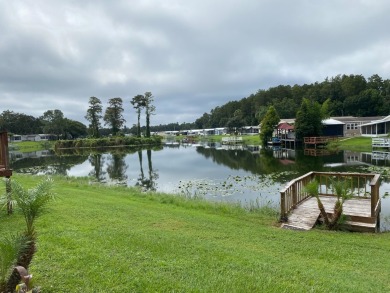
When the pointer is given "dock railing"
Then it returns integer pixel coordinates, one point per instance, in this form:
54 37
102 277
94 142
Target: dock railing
319 139
362 185
381 142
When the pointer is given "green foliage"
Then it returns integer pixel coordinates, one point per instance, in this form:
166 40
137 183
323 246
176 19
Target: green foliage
342 95
19 123
114 115
10 247
309 119
342 189
108 142
312 188
53 122
32 201
268 124
94 114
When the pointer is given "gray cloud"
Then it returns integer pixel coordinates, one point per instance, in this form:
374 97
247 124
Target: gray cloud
191 55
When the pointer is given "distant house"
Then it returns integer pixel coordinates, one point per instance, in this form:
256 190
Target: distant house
343 126
376 128
285 131
353 124
332 127
250 130
32 137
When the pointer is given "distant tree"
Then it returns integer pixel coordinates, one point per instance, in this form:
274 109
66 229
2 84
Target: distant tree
74 129
308 121
113 115
53 122
94 114
325 111
19 123
203 122
149 110
376 82
268 124
236 121
138 102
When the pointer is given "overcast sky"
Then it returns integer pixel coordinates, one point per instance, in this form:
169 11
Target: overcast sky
193 55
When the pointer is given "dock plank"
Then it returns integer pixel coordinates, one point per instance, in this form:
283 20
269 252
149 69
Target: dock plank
306 214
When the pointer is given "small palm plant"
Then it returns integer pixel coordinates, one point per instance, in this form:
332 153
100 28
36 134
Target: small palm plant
10 248
31 202
343 192
312 188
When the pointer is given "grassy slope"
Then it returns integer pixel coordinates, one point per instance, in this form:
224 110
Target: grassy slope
98 239
359 144
31 146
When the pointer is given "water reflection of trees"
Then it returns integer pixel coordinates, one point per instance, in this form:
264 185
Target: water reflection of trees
97 162
51 165
117 167
147 183
268 161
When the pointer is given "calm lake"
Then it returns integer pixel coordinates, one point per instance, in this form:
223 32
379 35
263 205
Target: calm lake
246 174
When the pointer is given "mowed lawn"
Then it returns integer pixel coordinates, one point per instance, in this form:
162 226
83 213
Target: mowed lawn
114 239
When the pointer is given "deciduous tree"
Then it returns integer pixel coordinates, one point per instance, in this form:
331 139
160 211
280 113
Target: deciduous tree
268 124
53 122
94 114
114 115
309 119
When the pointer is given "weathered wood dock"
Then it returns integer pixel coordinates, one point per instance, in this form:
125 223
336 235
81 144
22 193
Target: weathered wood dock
318 140
300 211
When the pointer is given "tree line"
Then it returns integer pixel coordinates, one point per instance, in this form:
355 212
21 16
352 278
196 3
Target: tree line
113 116
348 95
51 122
54 122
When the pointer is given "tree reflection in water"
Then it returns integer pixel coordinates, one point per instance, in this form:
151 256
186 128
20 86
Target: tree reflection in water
116 168
97 162
147 184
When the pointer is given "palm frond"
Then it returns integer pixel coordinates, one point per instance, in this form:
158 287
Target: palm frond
32 201
10 248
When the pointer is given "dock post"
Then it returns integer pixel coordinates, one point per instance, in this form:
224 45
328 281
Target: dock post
283 213
294 193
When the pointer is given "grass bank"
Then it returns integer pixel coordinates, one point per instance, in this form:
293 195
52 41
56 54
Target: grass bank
357 144
114 239
31 146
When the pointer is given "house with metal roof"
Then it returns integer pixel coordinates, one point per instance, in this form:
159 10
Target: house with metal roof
376 128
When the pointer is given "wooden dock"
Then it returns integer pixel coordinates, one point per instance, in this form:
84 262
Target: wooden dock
231 140
318 140
300 211
383 143
357 212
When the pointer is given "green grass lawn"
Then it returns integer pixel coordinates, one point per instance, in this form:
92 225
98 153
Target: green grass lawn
31 146
359 144
114 239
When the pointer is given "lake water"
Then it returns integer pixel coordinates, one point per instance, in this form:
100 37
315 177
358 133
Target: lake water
245 174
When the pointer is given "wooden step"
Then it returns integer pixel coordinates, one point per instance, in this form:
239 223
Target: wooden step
360 226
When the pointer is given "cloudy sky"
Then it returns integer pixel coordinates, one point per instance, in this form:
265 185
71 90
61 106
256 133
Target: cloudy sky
193 55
